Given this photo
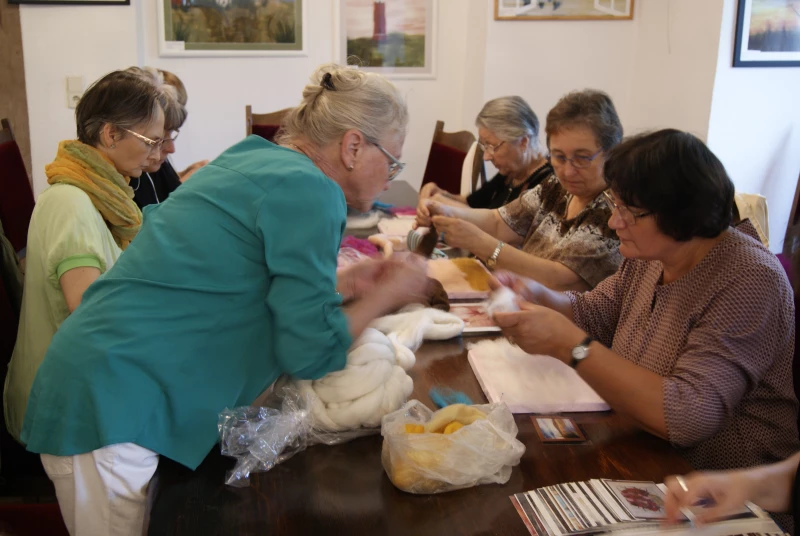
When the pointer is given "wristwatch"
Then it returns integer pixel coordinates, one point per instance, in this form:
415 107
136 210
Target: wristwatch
581 351
491 262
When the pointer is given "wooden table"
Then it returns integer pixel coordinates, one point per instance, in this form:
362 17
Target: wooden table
343 489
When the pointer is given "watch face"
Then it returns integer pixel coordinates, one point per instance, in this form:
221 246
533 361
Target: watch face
580 352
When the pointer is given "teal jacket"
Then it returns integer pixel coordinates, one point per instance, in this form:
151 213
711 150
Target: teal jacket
230 283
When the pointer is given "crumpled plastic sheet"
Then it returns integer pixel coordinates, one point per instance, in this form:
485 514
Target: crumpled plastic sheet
262 437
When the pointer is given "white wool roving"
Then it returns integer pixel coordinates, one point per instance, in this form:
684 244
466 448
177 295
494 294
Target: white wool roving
415 323
374 381
502 300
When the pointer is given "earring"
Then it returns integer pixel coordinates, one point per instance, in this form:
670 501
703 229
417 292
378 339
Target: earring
113 145
350 167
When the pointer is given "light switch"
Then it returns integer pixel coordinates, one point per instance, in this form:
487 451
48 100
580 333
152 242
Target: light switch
74 90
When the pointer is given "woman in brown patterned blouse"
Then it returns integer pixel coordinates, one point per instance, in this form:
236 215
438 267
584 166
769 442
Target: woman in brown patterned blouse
693 337
561 225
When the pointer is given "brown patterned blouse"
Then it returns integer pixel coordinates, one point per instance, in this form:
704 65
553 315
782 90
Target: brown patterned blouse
585 244
721 336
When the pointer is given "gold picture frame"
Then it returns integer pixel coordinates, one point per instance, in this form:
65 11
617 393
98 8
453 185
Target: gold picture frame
563 9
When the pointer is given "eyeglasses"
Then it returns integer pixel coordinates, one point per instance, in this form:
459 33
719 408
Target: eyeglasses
171 135
395 165
489 148
579 162
624 212
153 144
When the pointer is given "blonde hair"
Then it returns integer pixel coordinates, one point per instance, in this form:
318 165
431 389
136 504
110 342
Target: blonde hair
341 98
172 91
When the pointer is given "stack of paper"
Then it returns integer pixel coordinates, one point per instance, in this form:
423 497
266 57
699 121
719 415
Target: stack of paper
530 383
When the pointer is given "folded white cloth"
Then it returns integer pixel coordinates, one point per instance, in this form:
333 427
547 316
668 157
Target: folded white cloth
374 381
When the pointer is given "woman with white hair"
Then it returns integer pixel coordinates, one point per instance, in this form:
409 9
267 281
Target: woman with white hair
508 134
227 286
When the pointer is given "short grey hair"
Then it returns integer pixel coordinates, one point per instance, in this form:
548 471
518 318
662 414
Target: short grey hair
341 98
510 118
175 112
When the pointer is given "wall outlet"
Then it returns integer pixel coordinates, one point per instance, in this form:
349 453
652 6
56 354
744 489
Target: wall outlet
74 90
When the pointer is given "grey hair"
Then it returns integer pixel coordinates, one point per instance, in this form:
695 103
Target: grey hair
121 99
341 98
510 118
175 112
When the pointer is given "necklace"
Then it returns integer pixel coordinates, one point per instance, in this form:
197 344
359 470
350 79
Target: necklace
138 183
298 149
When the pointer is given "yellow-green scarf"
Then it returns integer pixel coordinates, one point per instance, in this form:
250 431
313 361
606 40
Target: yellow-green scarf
85 167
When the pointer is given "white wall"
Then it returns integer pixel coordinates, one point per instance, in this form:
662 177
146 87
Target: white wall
676 56
755 128
542 60
61 41
91 41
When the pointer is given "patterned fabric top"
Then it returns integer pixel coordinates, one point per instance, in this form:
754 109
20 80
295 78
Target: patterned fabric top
585 244
721 336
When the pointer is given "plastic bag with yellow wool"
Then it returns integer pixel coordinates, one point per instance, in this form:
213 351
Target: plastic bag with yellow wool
482 451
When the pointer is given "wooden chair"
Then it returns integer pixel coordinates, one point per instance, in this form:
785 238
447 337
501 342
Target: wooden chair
16 194
264 125
446 158
792 225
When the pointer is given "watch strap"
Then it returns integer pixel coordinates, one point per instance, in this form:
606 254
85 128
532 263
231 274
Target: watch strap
583 344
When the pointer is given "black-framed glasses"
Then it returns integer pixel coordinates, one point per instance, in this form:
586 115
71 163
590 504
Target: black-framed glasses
627 215
395 165
488 148
153 144
578 162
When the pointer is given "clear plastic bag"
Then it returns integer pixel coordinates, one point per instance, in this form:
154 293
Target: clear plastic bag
482 452
262 437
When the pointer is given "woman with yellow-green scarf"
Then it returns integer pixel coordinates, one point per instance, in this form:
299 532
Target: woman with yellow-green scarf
84 220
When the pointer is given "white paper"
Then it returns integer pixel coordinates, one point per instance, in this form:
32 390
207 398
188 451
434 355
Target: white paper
530 383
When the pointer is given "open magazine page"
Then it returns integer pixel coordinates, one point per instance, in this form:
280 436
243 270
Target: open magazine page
598 506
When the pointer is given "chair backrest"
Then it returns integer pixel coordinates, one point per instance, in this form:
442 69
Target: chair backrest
473 172
16 194
794 219
446 158
264 125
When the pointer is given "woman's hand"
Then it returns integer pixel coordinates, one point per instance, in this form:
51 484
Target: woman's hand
358 280
540 330
428 208
528 289
429 190
462 234
404 282
727 489
189 171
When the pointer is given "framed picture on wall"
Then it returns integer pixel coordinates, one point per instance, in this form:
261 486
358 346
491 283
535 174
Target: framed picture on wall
231 28
74 2
767 34
563 9
396 38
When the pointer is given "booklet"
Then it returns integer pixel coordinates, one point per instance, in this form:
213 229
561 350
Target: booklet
600 505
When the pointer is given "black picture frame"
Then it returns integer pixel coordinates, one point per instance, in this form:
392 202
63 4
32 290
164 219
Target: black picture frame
740 39
72 2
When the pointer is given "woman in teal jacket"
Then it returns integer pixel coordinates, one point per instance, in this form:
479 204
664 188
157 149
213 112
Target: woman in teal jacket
229 283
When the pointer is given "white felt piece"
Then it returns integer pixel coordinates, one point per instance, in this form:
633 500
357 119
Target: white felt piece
502 300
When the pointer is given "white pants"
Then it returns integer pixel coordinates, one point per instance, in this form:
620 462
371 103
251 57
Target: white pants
103 492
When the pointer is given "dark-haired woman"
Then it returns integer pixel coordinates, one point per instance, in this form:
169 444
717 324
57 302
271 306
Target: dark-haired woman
693 337
84 220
